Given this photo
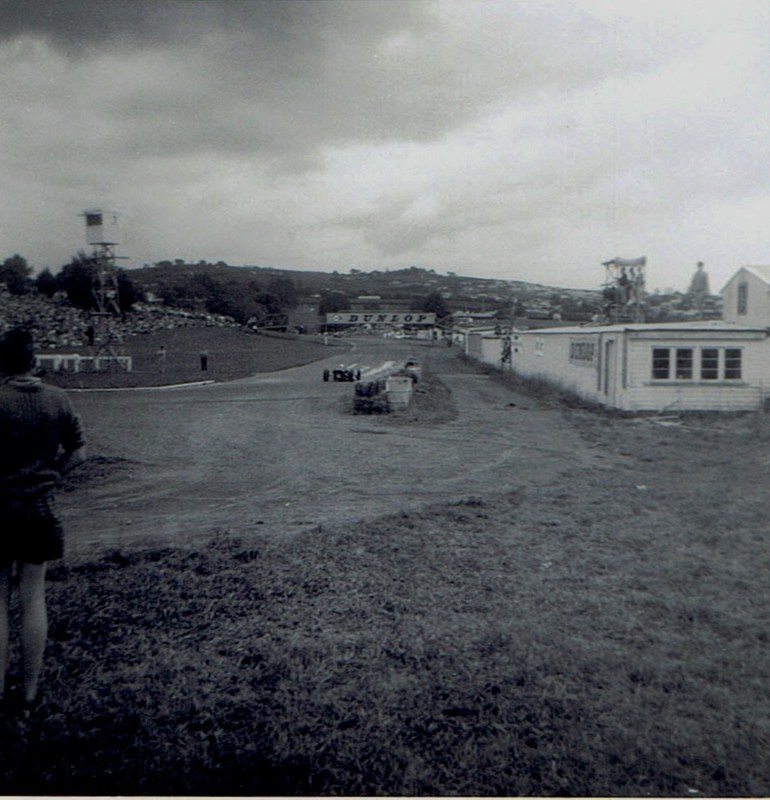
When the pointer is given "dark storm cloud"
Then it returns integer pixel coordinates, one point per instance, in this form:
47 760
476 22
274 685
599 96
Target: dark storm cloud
454 131
73 25
283 79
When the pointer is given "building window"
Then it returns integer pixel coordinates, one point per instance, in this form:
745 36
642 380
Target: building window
709 364
715 362
661 363
743 298
684 364
732 365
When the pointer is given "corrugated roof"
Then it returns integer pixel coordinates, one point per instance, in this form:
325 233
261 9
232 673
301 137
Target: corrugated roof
687 327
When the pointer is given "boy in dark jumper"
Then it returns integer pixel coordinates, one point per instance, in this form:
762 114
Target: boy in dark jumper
40 438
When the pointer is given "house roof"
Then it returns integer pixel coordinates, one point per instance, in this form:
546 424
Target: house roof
761 271
708 325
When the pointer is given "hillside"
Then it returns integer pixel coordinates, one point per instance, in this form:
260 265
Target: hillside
402 284
409 285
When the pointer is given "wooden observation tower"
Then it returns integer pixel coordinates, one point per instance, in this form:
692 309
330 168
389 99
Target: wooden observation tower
624 289
103 234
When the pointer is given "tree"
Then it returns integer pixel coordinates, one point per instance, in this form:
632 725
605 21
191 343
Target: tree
46 283
284 291
128 292
333 301
15 272
77 280
174 296
434 303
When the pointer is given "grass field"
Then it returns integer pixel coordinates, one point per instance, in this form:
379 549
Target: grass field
602 635
232 353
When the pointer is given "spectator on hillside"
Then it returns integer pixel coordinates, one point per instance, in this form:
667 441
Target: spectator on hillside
204 360
40 438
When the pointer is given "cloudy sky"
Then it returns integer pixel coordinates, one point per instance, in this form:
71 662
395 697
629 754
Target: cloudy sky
520 139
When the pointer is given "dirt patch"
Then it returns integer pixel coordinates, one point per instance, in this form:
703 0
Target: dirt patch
97 470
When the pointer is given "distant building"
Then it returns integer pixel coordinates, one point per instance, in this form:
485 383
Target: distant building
699 285
468 318
706 365
746 296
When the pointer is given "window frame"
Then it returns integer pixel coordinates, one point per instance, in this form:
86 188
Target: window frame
713 365
658 360
742 299
684 359
696 364
730 364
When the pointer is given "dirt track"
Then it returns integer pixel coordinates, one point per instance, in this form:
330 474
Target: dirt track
282 453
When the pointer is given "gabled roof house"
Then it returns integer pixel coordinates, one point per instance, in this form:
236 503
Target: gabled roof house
746 296
703 365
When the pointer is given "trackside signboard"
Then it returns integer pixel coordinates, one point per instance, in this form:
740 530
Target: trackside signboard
381 318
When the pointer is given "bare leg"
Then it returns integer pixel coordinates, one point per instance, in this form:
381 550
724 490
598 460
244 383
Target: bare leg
34 625
5 599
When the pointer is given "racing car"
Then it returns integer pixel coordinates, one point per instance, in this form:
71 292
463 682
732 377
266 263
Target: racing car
342 373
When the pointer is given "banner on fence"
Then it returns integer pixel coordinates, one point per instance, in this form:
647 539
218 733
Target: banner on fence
381 318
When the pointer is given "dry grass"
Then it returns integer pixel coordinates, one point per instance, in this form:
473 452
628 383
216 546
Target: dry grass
600 636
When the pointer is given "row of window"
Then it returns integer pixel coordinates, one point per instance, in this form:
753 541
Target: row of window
683 363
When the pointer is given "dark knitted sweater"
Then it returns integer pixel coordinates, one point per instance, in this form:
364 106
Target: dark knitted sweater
37 425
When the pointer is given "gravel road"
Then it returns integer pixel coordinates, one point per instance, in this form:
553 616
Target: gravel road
282 452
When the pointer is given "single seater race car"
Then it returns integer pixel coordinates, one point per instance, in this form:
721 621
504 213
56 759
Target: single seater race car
342 373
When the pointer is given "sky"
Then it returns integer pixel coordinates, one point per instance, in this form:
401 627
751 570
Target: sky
521 139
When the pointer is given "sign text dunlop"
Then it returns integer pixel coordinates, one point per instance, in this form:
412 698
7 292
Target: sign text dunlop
380 318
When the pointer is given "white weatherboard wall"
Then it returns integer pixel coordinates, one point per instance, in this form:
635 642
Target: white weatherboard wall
643 392
613 365
486 347
545 354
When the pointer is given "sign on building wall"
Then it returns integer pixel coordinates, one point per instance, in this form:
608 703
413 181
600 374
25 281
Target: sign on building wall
582 351
380 318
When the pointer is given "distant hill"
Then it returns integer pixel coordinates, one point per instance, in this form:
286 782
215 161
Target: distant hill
403 287
403 284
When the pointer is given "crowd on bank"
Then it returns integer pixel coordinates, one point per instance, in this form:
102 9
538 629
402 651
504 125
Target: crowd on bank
56 324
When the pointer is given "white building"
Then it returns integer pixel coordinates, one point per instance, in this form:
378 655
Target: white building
746 296
694 366
707 365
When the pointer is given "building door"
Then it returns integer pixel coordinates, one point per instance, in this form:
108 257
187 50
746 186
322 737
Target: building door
610 373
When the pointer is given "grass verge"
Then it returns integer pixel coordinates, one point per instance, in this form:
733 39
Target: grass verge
604 636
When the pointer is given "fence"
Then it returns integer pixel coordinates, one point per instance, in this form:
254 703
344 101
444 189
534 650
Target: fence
72 362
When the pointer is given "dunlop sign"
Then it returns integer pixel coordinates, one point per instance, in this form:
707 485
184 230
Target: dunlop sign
380 318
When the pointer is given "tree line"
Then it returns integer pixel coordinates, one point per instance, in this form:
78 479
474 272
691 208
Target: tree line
78 280
244 301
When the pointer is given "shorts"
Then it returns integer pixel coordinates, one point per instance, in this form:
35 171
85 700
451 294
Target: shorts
31 531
